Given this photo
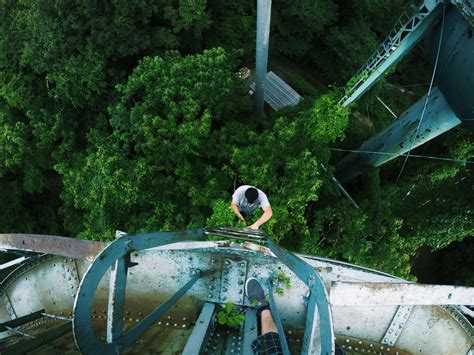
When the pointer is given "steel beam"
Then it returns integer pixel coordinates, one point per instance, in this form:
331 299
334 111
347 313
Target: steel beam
250 330
318 302
197 339
454 74
138 330
398 43
55 245
277 319
369 294
28 345
397 325
12 263
399 137
263 39
116 302
21 320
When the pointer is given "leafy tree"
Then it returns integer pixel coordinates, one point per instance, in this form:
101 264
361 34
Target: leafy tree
157 168
295 25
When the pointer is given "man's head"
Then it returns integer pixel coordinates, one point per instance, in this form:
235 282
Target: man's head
251 194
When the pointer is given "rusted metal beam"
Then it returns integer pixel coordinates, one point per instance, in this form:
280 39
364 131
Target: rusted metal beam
26 346
21 320
50 244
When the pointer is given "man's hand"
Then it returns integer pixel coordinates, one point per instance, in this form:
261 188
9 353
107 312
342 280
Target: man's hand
267 214
234 208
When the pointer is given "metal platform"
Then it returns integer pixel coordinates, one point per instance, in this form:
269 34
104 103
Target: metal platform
174 291
278 93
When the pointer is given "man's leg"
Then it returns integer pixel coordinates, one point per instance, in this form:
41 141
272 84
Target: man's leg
268 342
268 325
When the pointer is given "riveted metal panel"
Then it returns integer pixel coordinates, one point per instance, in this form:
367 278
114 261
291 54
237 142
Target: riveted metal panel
47 282
151 274
362 322
396 326
400 293
234 272
431 330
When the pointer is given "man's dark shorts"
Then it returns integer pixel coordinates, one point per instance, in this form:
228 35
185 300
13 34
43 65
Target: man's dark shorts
266 344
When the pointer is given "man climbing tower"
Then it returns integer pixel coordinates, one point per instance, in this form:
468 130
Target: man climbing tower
246 199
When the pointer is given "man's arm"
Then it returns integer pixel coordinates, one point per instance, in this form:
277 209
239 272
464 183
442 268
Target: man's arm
234 208
267 214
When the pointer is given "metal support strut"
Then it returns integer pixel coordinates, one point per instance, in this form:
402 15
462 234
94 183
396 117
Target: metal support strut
116 254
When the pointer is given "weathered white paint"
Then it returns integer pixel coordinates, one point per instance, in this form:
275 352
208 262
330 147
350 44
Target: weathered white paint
389 294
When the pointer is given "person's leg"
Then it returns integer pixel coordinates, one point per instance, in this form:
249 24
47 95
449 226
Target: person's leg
268 342
267 323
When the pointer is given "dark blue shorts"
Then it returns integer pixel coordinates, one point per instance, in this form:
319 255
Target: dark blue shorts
266 344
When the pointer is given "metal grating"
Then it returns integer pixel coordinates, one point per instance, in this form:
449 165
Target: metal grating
278 94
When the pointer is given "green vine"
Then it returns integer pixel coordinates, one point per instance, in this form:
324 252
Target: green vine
282 279
230 316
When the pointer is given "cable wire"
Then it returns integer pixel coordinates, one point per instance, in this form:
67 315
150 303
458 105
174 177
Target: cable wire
427 96
405 155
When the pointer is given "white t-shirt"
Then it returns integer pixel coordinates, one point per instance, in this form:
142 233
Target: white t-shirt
241 201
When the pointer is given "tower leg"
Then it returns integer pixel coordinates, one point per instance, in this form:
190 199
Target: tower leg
263 38
397 138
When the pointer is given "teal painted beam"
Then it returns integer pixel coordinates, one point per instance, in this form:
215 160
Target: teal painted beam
264 8
399 137
455 71
409 30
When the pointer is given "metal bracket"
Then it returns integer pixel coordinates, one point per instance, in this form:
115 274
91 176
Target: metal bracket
9 307
71 276
234 273
396 326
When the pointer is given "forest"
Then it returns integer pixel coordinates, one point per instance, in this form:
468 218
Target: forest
128 115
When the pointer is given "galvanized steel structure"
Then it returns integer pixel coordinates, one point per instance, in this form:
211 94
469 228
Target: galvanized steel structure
160 292
446 28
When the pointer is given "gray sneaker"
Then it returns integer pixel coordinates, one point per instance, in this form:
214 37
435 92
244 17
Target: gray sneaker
256 294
